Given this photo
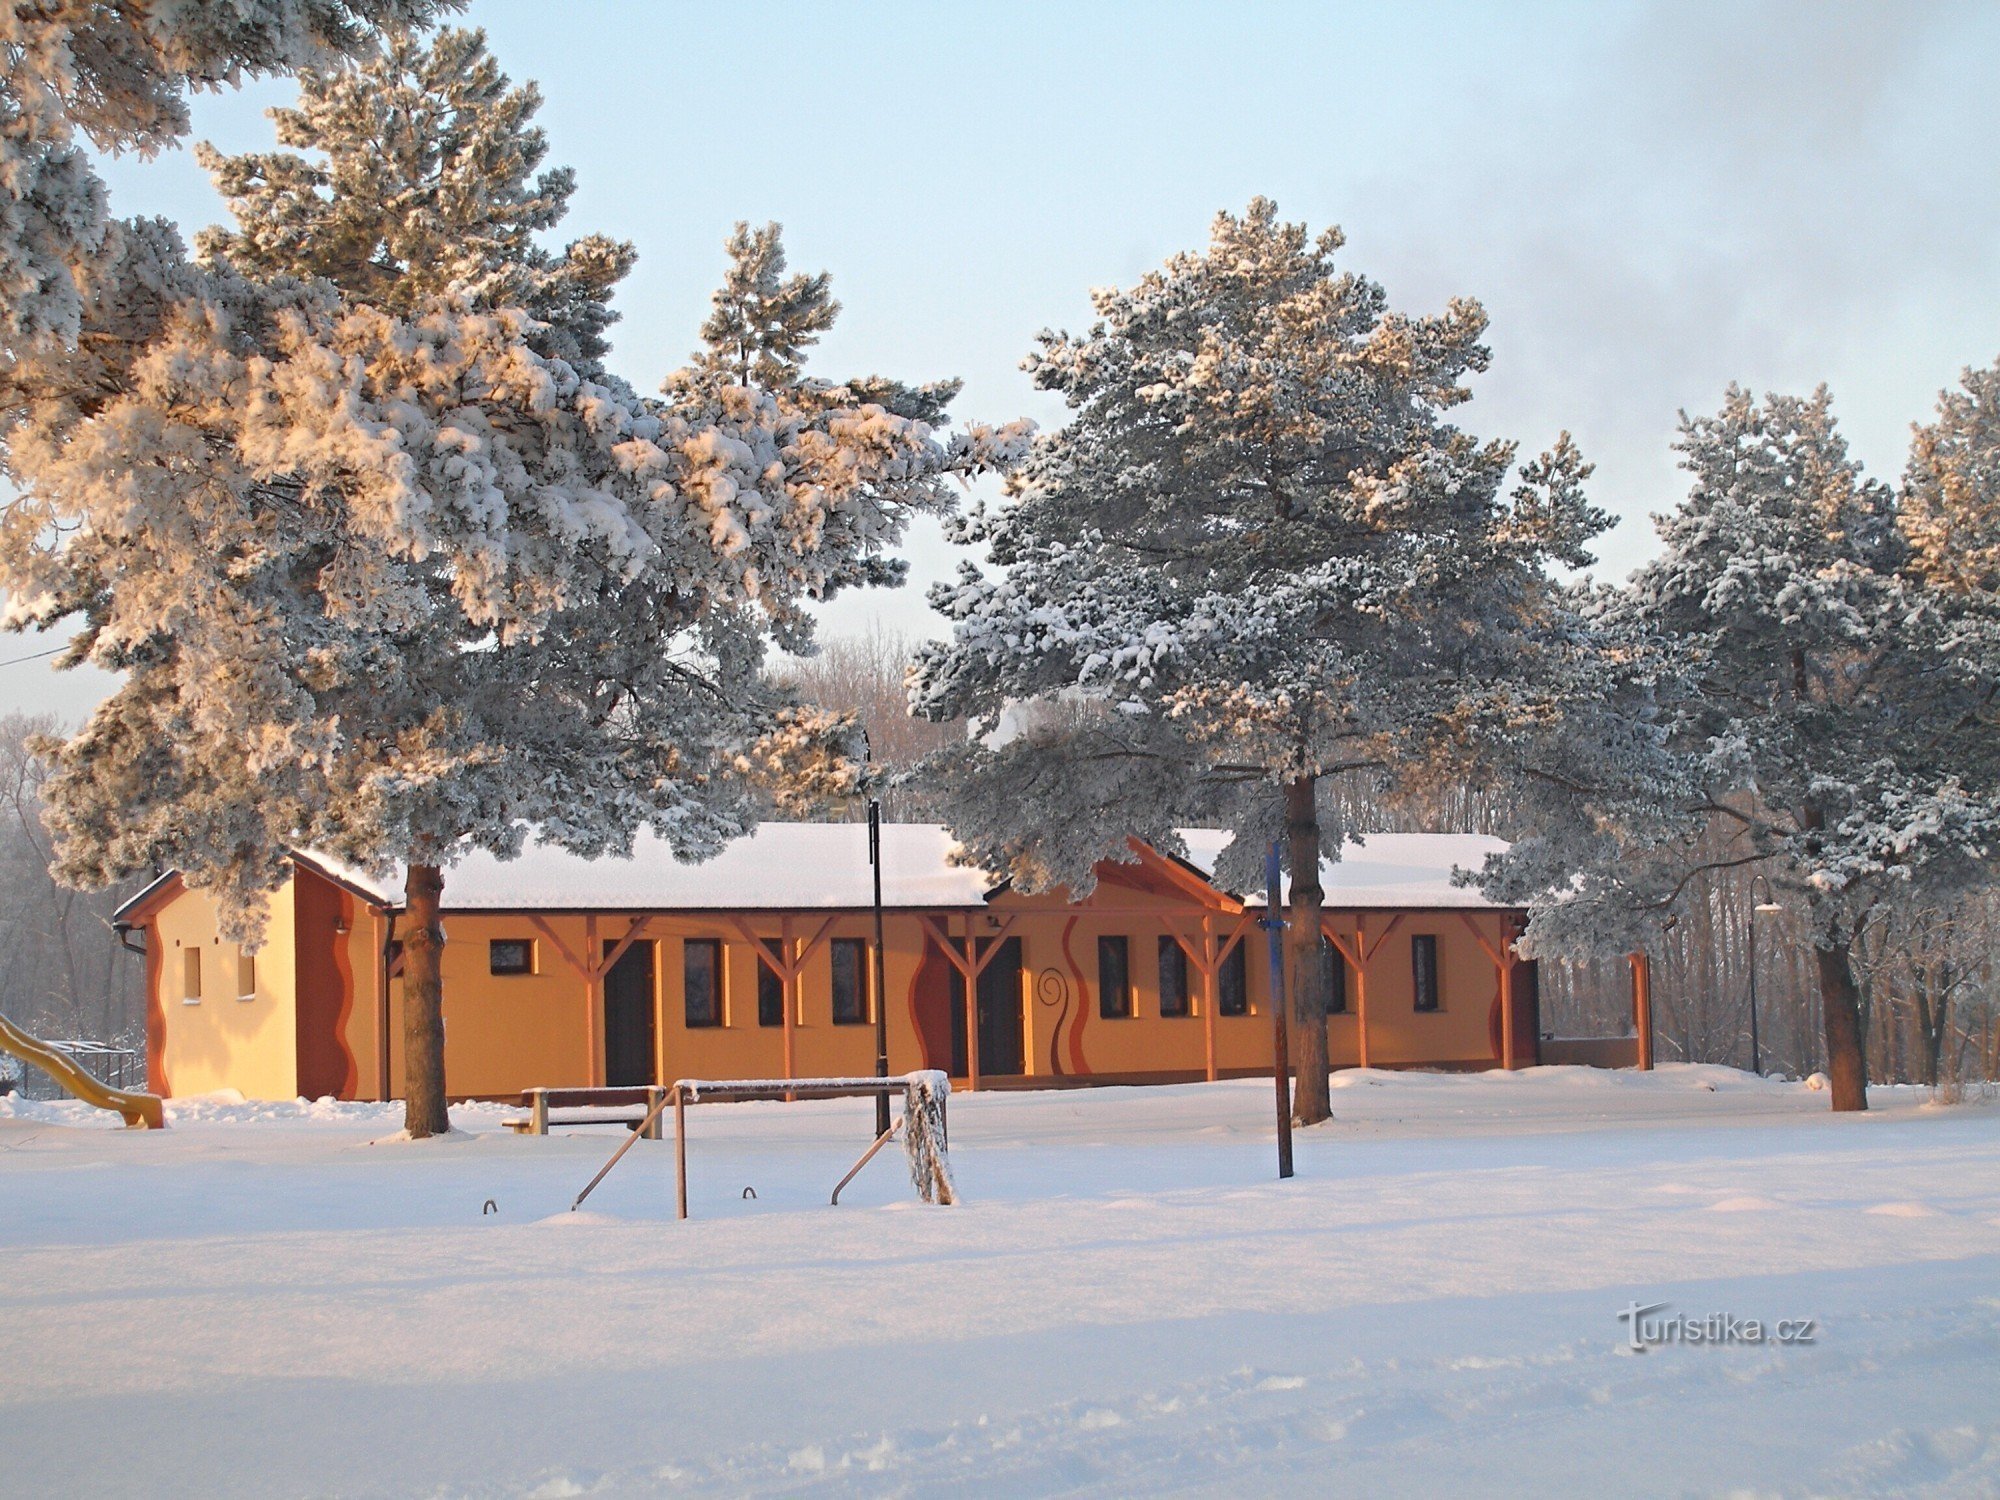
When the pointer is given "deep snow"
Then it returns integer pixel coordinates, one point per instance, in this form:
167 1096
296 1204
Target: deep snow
273 1300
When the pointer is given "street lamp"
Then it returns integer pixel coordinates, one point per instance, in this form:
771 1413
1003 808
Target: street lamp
1766 907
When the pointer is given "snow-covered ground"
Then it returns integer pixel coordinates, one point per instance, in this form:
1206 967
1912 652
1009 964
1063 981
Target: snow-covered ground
259 1301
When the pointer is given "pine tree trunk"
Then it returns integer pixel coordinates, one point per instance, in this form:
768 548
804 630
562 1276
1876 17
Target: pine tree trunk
424 1111
1840 1004
1311 1098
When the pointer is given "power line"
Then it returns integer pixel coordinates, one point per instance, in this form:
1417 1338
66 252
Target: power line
36 656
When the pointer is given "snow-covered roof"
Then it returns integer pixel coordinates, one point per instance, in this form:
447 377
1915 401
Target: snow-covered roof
780 866
807 866
1387 870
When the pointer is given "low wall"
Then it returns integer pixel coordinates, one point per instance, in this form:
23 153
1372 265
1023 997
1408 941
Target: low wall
1591 1051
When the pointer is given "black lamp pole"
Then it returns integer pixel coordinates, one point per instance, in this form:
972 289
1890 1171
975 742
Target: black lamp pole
881 980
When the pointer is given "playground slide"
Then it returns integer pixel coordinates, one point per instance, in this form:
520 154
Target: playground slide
138 1109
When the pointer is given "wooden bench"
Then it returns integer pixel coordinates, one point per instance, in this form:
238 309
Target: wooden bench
540 1102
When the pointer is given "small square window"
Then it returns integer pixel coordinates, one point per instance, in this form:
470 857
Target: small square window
1114 978
1424 970
1173 977
511 956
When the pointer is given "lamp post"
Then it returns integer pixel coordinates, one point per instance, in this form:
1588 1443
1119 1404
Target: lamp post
1767 907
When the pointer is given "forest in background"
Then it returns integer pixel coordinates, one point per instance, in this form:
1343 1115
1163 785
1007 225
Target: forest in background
63 974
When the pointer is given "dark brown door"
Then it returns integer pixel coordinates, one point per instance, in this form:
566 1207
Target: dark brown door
628 1018
1000 1020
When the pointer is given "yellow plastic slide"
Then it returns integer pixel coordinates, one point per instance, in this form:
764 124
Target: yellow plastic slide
138 1109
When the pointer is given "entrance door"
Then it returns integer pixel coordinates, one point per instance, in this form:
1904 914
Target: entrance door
1000 1018
628 1018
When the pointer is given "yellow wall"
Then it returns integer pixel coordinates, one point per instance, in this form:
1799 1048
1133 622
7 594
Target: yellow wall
505 1033
1459 1031
225 1042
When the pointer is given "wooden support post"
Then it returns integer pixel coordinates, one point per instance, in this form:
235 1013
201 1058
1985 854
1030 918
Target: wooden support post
788 985
972 967
1210 992
594 1002
1507 1011
652 1129
1361 991
538 1111
1642 1008
680 1156
659 1015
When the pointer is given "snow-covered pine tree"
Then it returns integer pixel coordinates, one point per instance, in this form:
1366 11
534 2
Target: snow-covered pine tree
1825 679
117 77
398 578
1257 559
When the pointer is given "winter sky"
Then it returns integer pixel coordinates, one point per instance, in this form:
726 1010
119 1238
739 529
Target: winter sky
1650 200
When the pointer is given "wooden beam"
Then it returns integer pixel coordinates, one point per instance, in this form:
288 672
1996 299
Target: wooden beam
971 971
947 943
1361 991
632 935
778 963
818 938
555 940
659 1019
993 940
1642 1007
788 985
594 1013
1182 878
1347 951
1480 938
1376 947
1210 991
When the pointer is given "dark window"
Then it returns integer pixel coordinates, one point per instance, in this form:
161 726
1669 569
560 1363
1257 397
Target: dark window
770 988
1233 983
1173 977
1333 969
511 956
701 981
1424 970
850 981
1114 977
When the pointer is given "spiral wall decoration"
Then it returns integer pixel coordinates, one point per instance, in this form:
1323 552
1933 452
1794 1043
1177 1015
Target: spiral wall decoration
1052 989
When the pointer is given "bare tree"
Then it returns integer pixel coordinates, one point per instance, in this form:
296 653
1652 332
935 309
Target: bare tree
863 675
62 971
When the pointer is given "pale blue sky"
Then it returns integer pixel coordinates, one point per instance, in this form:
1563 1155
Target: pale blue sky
1651 201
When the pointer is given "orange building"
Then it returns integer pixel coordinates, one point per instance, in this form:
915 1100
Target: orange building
566 972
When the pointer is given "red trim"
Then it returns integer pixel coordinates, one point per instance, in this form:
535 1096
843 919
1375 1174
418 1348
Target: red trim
343 965
1078 1067
140 910
156 1017
325 985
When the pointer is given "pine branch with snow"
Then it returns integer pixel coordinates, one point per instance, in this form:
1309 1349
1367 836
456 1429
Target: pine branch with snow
1258 559
400 571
